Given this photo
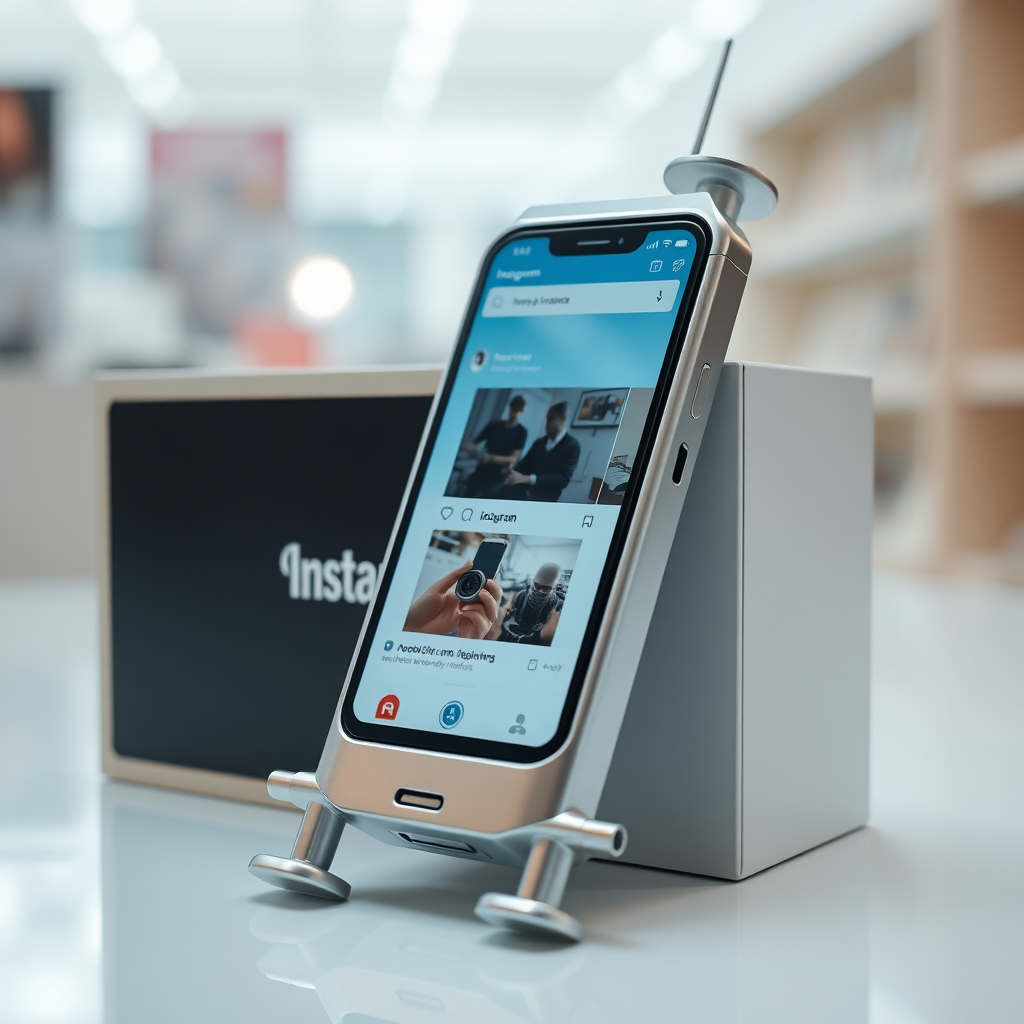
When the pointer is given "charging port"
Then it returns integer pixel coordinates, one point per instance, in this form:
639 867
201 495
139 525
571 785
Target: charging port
677 469
416 798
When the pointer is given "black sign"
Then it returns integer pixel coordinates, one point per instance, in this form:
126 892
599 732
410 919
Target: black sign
246 539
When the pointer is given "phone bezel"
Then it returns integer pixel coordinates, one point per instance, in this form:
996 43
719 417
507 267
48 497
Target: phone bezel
495 750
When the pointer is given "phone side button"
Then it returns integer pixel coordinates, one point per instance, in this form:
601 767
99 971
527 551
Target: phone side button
677 469
417 798
701 394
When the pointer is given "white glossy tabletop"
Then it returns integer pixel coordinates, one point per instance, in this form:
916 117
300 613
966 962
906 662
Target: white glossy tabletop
121 903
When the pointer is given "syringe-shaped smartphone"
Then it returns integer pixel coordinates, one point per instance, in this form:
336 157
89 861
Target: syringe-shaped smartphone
567 426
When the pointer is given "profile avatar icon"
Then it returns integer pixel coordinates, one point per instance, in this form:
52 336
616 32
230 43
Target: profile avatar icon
388 644
478 361
518 727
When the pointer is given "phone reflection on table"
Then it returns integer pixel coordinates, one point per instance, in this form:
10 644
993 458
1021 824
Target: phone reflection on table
184 925
401 971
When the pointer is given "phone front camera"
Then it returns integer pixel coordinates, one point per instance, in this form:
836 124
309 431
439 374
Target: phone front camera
469 585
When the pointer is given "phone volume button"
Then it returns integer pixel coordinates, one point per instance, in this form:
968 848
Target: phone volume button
701 394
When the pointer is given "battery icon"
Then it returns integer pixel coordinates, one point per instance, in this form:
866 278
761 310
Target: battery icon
682 243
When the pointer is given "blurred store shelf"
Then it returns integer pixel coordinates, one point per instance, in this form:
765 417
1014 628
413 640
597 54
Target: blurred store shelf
902 153
903 387
992 378
995 175
849 77
869 233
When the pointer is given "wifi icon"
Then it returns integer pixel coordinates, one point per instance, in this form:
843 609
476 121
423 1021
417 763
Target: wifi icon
666 242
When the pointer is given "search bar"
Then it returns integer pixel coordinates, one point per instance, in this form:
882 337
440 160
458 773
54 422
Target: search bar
575 299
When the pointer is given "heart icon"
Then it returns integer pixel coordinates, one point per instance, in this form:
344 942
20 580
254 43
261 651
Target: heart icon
446 511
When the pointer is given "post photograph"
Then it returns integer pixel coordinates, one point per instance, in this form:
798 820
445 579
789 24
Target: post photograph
488 586
536 444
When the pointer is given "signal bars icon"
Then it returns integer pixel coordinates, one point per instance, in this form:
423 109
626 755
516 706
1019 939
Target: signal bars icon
679 243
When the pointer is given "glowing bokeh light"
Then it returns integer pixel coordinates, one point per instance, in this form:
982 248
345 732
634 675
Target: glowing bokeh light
321 287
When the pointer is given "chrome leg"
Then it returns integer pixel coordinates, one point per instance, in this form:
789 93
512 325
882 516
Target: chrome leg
546 873
307 869
534 908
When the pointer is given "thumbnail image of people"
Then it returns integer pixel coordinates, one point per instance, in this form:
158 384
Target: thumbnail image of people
531 616
548 467
521 603
495 449
540 444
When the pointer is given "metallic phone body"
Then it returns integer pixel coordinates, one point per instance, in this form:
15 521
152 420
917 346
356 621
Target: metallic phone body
536 815
485 804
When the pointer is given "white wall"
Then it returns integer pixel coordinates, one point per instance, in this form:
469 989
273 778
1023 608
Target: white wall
47 517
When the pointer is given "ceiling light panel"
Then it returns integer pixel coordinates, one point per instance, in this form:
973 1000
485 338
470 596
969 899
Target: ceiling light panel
135 55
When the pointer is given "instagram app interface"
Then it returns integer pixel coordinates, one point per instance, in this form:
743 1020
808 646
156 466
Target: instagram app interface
496 579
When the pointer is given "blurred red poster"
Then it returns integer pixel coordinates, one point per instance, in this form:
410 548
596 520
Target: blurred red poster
249 167
218 223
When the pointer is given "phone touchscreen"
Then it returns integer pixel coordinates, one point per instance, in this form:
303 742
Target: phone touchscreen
538 442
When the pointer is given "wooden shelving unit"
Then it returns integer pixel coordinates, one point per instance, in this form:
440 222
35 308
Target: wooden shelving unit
897 250
862 234
995 176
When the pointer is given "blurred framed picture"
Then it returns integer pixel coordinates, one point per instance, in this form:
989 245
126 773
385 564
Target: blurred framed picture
28 283
600 408
26 153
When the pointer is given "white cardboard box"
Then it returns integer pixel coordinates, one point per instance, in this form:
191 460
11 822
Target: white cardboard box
746 737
